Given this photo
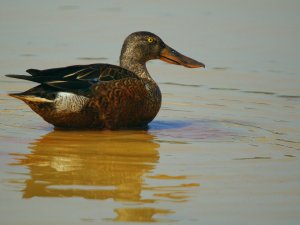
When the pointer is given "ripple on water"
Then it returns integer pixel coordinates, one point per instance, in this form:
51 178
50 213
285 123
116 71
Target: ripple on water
214 131
183 85
260 92
197 131
224 89
92 58
289 96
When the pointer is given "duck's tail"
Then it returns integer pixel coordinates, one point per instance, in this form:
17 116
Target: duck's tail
23 77
26 96
37 94
30 98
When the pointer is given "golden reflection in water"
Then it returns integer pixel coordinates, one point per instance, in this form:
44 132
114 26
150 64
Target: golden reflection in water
139 214
91 165
100 165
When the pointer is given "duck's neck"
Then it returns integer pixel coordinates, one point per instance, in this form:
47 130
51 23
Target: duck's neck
136 66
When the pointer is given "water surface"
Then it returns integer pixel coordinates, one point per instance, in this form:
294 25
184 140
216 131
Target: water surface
224 148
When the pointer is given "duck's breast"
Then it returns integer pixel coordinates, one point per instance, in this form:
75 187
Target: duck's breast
126 102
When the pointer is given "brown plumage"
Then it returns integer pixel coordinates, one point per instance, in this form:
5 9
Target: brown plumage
103 95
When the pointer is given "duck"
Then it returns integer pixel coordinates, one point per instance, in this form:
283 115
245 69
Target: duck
103 96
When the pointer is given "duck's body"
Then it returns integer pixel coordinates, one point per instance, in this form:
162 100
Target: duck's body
96 95
103 95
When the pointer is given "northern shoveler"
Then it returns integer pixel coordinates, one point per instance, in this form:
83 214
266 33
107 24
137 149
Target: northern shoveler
103 95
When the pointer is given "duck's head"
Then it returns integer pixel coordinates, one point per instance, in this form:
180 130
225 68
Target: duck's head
139 47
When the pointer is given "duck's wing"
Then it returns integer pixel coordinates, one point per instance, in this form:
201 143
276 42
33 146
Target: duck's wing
102 72
78 77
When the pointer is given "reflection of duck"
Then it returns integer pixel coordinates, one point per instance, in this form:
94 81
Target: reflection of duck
103 95
140 214
107 165
90 166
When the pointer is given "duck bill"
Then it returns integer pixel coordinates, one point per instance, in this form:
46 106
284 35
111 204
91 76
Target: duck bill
170 55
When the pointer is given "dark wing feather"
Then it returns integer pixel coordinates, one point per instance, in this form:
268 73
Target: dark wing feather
69 85
61 71
78 77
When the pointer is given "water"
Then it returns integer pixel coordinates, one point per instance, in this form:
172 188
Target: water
224 148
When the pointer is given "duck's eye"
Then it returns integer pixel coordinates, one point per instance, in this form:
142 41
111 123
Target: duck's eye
150 39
